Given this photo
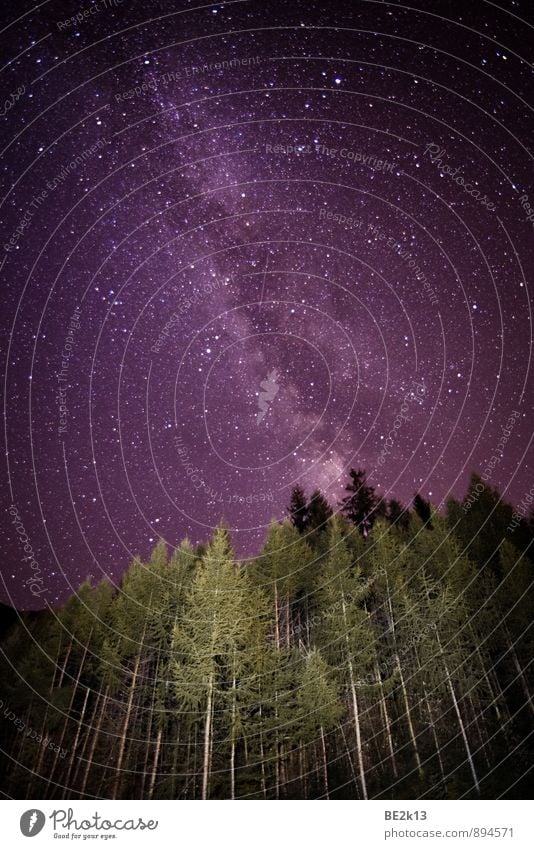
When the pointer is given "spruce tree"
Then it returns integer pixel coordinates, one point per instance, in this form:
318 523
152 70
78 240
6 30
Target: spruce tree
298 509
359 506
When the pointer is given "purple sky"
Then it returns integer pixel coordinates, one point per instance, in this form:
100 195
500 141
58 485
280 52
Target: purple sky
167 251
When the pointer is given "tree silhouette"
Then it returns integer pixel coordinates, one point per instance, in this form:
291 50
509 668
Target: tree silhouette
423 510
359 506
298 509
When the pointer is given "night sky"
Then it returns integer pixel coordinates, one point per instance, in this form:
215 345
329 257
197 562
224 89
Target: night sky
241 244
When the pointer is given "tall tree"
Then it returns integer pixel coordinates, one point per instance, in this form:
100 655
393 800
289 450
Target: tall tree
423 510
298 509
359 506
211 643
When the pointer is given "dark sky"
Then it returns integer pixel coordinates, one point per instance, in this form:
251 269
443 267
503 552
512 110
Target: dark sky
329 199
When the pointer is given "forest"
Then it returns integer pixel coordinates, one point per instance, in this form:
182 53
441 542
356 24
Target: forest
373 651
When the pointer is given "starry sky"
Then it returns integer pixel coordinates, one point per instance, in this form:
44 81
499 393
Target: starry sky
243 246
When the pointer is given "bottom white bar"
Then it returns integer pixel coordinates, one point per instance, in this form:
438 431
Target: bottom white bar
268 825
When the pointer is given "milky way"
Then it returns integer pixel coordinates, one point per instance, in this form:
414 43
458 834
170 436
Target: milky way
252 245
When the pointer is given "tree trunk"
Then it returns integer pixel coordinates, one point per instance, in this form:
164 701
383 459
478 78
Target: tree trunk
101 716
207 740
387 724
232 744
74 749
459 717
155 764
359 750
262 756
124 732
67 718
325 764
403 685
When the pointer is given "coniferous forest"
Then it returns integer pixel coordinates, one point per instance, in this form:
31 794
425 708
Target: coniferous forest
372 652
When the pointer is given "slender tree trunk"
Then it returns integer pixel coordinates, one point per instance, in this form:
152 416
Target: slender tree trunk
207 740
63 668
232 745
349 756
359 750
325 764
262 756
276 625
126 723
149 729
435 737
403 686
459 717
288 622
96 735
493 693
155 764
74 748
303 771
195 750
67 718
409 716
387 724
480 730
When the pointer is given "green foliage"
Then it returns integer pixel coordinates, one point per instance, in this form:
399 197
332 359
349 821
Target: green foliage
358 654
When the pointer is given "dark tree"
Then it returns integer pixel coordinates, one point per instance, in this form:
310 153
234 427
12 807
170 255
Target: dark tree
298 509
359 506
319 512
423 510
398 514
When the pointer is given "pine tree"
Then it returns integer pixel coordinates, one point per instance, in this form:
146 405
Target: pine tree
398 515
318 706
211 643
359 506
298 509
345 631
423 510
319 512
